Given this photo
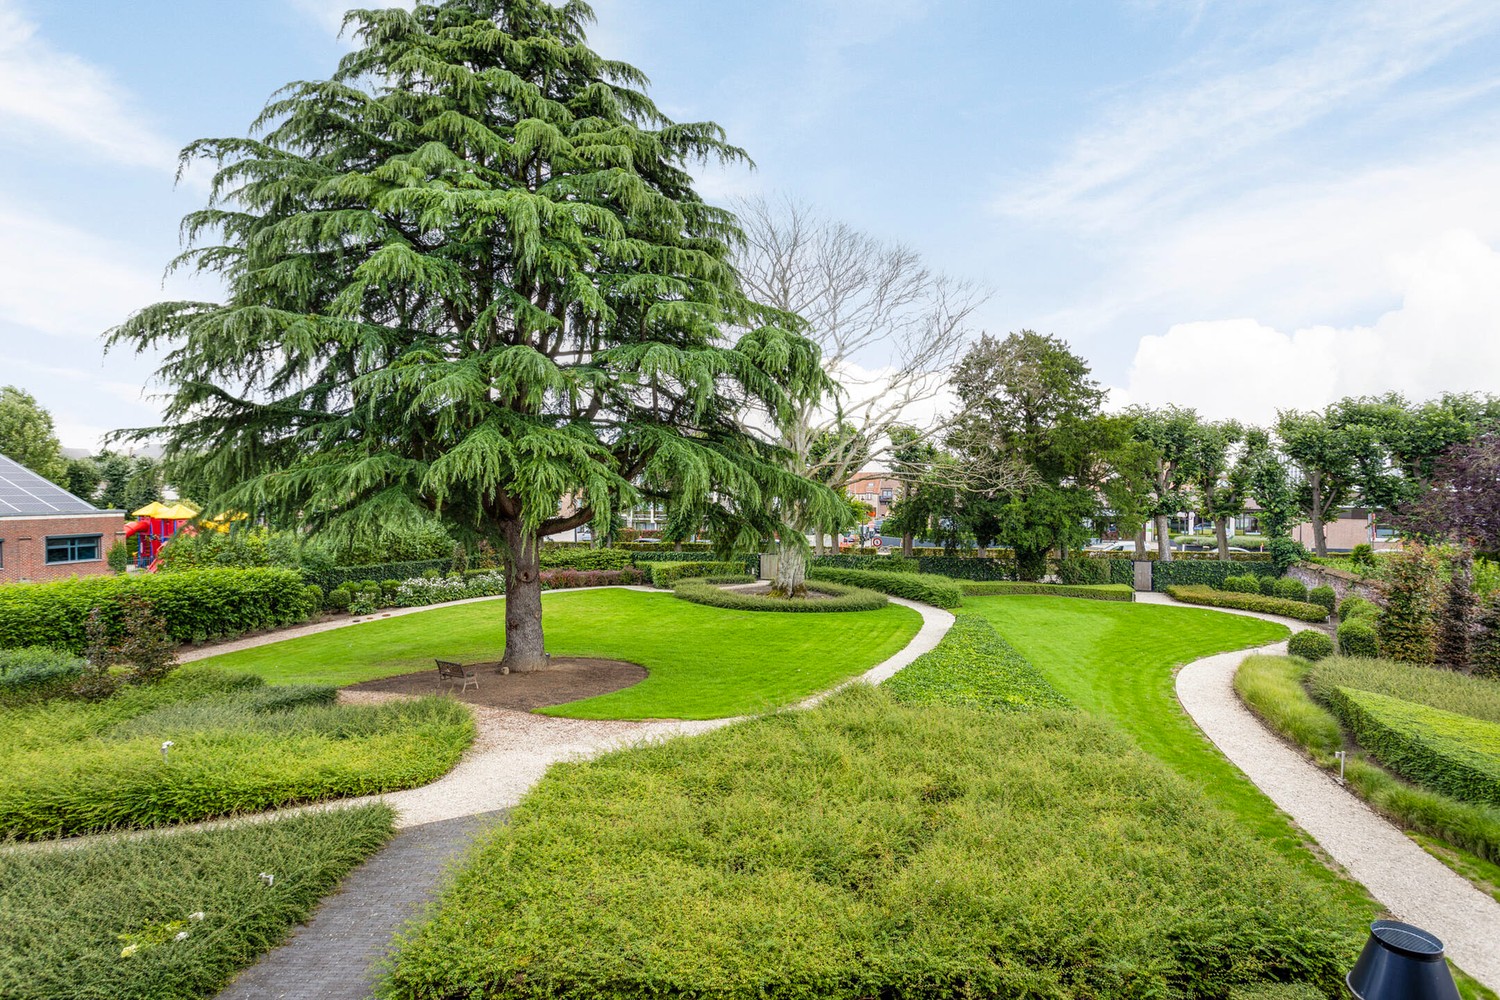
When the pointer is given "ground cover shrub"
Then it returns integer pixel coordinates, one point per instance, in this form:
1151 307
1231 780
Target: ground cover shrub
664 575
1325 596
840 597
1294 590
195 605
1357 637
1212 598
1180 572
67 916
1408 625
868 848
1447 752
1099 592
80 767
1310 644
1273 688
553 557
973 667
35 673
1445 689
939 591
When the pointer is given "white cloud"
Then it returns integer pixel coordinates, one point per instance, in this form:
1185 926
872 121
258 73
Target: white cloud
47 91
1445 336
330 13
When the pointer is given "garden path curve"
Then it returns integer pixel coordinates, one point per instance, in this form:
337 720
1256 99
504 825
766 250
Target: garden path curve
1410 883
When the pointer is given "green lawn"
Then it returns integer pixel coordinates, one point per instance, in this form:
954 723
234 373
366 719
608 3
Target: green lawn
704 662
1118 661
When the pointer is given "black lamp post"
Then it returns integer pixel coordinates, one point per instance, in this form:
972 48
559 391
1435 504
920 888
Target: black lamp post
1401 962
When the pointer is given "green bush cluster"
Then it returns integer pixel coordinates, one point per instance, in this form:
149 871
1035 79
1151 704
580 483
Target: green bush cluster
1212 598
839 598
585 559
973 667
239 548
34 673
867 848
332 579
1325 596
1357 637
939 591
1098 592
1447 752
1355 606
1181 572
1294 590
665 574
1243 584
195 604
1310 644
65 916
80 767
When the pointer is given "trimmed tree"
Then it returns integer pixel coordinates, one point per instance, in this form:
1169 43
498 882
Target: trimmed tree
1408 628
469 276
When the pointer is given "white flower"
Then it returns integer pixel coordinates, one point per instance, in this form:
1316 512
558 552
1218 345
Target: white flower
181 936
196 916
128 950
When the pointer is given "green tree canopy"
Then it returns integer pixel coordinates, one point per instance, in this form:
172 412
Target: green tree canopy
27 435
469 275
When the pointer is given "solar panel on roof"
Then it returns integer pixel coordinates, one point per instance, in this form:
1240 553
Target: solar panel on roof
23 492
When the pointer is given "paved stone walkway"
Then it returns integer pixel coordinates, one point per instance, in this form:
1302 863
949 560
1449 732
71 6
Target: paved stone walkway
1410 883
337 953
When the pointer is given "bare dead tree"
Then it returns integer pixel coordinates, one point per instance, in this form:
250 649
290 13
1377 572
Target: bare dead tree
890 328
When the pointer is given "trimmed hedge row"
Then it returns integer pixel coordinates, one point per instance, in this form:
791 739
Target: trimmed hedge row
970 568
973 667
939 591
330 579
1095 592
665 574
586 559
746 564
1212 573
841 598
1212 598
850 560
1445 751
196 605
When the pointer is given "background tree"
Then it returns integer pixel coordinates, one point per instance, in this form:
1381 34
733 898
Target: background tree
1030 436
888 326
1173 434
1462 503
1270 483
469 276
1333 456
1219 483
28 437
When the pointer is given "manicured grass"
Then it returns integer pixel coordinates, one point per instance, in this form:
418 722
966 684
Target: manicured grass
1434 686
66 915
239 746
869 848
704 662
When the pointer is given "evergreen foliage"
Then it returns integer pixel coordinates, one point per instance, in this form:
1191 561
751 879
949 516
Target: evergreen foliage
1357 637
1487 641
468 276
1408 627
1456 624
1310 644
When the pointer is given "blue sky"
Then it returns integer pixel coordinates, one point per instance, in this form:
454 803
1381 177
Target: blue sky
1234 205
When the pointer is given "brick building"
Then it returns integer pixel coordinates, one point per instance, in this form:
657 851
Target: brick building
877 489
46 533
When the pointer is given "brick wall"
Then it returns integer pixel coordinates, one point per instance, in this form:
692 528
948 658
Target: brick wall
23 545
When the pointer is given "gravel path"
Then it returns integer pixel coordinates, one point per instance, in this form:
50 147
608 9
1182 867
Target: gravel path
1410 883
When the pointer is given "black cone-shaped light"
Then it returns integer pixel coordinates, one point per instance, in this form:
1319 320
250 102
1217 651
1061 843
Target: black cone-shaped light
1401 962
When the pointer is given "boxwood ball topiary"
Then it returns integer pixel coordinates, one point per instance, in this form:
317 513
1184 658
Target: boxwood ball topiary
1268 586
1310 644
1357 638
1325 596
1292 590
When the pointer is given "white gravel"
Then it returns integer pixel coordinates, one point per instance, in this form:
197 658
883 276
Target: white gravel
1410 883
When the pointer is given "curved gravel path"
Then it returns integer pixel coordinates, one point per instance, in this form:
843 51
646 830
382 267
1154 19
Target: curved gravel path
1410 883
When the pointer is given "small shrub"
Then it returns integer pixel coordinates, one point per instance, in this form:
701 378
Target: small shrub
1212 598
1357 637
1241 584
118 556
1268 586
1293 590
1408 627
363 604
1310 644
144 646
313 595
1325 596
1355 606
340 597
1362 555
939 591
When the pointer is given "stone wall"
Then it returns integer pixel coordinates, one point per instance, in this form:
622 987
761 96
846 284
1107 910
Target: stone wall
1343 584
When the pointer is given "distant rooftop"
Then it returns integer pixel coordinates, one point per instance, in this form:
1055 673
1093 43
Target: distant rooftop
23 493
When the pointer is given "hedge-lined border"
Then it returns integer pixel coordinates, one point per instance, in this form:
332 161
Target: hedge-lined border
939 591
1090 592
841 598
1209 597
665 574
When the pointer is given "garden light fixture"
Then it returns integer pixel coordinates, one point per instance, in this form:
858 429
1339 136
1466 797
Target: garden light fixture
1401 962
164 748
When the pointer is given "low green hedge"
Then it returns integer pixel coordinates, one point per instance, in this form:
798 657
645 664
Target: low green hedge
973 667
939 591
1098 592
585 559
1458 755
1180 572
665 574
1310 644
850 560
840 598
66 916
196 605
1209 597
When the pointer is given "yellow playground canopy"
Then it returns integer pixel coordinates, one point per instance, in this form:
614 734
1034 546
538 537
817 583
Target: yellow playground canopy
176 512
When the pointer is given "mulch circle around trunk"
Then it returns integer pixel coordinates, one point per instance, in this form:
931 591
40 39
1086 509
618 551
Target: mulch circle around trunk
562 681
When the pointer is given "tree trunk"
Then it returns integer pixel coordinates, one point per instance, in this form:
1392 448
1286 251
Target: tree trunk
1320 539
1163 538
907 546
791 570
524 646
1140 543
1221 531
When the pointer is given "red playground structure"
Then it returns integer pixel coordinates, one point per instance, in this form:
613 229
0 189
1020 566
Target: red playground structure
157 524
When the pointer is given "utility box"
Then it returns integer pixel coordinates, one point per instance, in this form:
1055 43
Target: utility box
1142 574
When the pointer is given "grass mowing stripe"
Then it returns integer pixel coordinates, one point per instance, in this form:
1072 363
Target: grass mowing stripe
704 662
66 916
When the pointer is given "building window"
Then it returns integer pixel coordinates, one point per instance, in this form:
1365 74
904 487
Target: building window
72 549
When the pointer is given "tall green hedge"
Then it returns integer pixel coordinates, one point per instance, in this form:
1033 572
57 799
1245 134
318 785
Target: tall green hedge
196 605
851 560
1188 572
968 568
